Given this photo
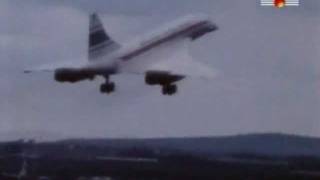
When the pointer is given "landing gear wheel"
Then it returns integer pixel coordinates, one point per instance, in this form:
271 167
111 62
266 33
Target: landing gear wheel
164 90
169 89
111 87
107 88
173 89
103 88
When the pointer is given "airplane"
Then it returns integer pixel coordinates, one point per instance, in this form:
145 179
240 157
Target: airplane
162 56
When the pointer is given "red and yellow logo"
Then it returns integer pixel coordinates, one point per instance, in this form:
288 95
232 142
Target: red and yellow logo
280 3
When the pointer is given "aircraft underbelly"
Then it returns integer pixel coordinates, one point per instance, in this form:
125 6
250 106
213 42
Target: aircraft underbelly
101 68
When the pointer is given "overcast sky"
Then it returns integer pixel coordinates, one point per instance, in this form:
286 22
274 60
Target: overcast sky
267 62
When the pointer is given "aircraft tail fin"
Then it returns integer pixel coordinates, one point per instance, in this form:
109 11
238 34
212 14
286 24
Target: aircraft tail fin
100 43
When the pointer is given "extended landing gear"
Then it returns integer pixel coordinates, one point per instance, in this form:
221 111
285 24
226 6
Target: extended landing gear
108 87
170 89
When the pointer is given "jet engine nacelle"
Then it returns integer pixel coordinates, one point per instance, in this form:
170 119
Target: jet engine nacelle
161 78
72 75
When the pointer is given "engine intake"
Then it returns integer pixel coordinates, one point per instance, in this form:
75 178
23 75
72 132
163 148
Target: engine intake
72 75
161 78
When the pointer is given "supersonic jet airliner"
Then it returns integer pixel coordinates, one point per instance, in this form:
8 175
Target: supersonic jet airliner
162 56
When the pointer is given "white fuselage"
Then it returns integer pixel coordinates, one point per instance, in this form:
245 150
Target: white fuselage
191 27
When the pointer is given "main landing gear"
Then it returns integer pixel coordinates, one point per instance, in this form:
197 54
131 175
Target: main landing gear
169 89
107 87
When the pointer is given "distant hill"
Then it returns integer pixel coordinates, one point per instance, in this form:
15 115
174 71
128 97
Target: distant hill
258 144
255 156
